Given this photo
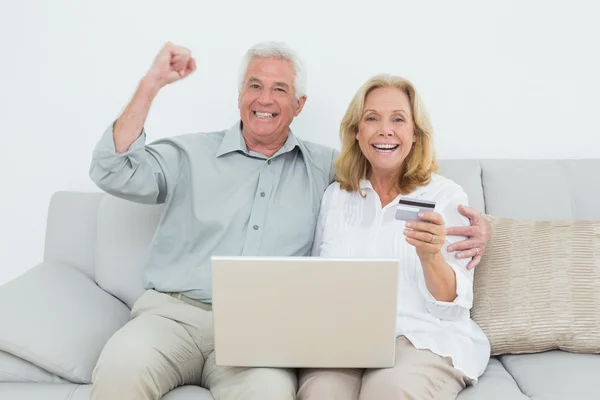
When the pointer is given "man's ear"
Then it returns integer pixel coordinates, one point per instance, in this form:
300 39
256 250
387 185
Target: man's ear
300 106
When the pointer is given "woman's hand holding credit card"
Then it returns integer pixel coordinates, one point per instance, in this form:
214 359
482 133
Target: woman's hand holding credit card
424 227
408 209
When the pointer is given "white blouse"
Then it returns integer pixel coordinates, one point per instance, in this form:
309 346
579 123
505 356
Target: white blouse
352 226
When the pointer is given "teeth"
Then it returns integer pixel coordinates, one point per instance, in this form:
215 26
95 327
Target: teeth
264 115
385 148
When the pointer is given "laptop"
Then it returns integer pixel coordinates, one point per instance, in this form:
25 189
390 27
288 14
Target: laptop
304 312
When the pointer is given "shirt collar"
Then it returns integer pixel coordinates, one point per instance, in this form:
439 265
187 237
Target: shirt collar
234 141
365 184
419 191
290 144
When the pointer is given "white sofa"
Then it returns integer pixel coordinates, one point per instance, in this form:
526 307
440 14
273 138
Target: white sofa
55 319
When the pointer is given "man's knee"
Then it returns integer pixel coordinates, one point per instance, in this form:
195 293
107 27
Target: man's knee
138 362
125 372
333 384
274 384
259 384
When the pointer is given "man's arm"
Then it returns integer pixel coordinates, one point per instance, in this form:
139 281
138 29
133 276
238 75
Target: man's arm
122 164
478 235
173 63
128 127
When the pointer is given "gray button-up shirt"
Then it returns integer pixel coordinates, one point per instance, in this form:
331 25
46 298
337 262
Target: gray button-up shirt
220 199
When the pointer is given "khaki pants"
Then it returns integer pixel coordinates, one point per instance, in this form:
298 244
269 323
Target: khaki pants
169 343
417 375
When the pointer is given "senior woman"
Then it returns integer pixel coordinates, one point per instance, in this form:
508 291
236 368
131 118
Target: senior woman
387 153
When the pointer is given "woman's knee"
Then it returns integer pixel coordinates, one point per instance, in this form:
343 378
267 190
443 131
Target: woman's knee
382 384
396 385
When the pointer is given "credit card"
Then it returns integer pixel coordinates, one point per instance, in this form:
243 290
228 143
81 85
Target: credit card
408 209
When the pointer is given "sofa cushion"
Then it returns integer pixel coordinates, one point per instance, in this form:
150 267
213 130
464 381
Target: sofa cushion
19 391
466 173
538 286
70 229
56 317
535 182
584 187
15 369
42 391
188 393
495 384
124 233
547 189
181 393
555 375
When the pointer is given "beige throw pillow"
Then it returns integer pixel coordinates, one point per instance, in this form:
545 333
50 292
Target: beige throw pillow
537 287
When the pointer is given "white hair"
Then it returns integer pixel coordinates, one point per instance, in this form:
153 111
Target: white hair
281 51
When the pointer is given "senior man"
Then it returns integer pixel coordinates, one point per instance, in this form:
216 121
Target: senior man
254 189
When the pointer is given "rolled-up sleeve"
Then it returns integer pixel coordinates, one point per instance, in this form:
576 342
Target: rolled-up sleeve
144 173
460 307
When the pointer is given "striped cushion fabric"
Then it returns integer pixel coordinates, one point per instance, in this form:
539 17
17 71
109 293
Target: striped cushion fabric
537 287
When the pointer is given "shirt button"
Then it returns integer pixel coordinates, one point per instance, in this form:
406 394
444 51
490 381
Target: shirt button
255 227
269 162
262 194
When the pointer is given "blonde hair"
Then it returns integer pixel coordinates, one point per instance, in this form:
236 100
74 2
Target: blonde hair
352 166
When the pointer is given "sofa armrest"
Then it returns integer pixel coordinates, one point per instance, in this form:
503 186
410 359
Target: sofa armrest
56 317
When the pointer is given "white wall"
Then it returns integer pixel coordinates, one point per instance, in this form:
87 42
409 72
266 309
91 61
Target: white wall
508 79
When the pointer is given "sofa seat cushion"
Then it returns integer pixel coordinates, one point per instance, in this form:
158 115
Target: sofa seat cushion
43 391
555 375
181 393
14 369
57 318
34 391
495 384
538 286
188 393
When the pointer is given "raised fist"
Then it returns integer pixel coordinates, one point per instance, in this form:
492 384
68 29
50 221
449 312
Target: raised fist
171 64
